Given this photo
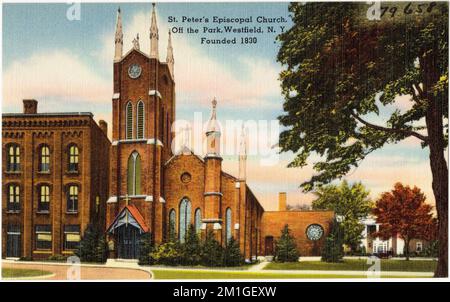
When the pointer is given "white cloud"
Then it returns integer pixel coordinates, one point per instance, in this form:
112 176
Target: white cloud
58 74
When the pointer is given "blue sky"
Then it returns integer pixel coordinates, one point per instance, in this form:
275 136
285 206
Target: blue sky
67 66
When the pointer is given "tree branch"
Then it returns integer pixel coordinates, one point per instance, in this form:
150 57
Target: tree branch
390 130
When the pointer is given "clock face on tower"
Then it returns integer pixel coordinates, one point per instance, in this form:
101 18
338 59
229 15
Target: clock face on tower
134 71
314 232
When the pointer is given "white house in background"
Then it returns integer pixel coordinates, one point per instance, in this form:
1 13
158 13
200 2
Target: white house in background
375 245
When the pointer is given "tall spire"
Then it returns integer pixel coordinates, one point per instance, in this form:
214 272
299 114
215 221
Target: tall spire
118 37
169 58
213 133
154 36
243 154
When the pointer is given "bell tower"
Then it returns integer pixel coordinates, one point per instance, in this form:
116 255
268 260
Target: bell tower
143 108
213 162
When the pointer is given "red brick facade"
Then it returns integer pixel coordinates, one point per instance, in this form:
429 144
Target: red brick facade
30 133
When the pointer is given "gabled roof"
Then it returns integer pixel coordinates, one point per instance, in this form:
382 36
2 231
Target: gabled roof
129 215
183 151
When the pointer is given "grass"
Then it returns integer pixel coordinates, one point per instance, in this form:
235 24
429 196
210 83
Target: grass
357 265
198 274
22 273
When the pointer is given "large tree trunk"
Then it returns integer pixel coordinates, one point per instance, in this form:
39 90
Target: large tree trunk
407 248
439 169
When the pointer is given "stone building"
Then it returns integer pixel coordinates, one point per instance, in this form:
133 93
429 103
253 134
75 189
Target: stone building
136 183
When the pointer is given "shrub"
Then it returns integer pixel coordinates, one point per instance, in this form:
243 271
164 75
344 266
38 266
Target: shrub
285 247
333 250
232 254
145 248
93 247
168 253
212 251
57 258
191 249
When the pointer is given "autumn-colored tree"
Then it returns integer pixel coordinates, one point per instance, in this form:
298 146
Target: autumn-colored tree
403 211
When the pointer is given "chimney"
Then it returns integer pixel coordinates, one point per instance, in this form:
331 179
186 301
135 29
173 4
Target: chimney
282 201
104 126
30 106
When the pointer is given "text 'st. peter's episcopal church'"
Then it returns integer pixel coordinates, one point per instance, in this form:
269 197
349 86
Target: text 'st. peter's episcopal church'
62 173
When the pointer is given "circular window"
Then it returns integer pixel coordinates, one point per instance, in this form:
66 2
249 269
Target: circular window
314 232
186 177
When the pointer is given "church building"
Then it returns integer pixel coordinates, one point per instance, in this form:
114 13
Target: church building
138 184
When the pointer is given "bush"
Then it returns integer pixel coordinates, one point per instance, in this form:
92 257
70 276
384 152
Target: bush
57 258
93 247
191 249
212 251
285 247
431 250
168 253
145 248
232 254
333 250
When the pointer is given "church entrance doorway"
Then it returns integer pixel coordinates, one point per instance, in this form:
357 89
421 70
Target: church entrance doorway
128 241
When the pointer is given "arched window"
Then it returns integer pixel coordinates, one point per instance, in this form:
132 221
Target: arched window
134 174
44 165
228 233
172 224
44 199
185 218
73 158
72 199
198 220
13 198
129 121
140 119
13 164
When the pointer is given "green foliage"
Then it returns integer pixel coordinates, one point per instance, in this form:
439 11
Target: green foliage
57 258
191 249
168 253
340 67
232 254
431 250
352 203
93 247
145 248
333 250
212 251
285 247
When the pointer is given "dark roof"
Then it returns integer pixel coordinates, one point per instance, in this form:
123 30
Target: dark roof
48 114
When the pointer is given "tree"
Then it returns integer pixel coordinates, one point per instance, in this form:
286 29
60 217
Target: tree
403 211
232 253
145 248
333 250
341 69
352 203
93 247
212 251
191 249
285 247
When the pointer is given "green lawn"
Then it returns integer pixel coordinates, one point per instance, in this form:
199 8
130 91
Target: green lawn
203 274
357 265
22 273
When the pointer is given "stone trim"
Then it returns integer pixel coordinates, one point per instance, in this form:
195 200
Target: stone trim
161 200
237 185
155 92
217 226
236 226
116 96
212 193
148 141
149 198
112 199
